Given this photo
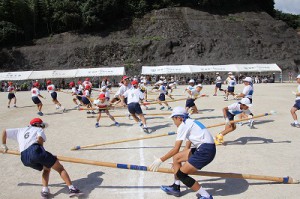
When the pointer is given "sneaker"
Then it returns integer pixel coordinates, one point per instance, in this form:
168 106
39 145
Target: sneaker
88 112
117 124
8 106
40 113
202 197
75 192
93 112
45 194
15 106
239 123
226 99
146 130
140 124
251 124
295 125
214 94
219 139
97 125
169 109
161 108
171 190
64 110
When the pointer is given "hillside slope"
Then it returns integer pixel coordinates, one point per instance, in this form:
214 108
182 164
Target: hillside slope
166 36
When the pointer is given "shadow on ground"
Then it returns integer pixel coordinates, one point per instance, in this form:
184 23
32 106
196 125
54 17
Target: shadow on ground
253 140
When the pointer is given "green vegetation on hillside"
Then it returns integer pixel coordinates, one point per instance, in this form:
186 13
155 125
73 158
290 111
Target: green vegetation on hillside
291 19
24 20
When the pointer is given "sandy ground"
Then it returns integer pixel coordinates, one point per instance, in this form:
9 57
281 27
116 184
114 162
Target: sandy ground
272 148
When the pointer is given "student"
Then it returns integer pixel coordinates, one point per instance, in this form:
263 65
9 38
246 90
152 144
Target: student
103 104
33 154
35 94
193 95
11 94
229 112
230 89
162 96
189 160
218 84
53 93
296 105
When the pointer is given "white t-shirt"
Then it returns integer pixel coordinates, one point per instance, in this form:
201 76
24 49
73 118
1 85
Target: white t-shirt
189 87
80 88
235 109
194 94
248 91
74 90
25 136
35 92
298 91
100 104
195 132
11 89
51 88
122 90
218 79
86 93
231 83
133 95
162 89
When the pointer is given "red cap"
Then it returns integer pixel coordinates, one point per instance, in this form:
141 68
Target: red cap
10 83
102 96
79 82
87 86
36 84
36 121
87 79
48 82
125 77
71 84
134 82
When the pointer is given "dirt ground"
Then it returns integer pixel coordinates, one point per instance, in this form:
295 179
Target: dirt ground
271 148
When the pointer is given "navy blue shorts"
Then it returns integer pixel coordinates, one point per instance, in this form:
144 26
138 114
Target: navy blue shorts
218 85
36 100
125 100
11 96
135 108
297 104
79 97
230 89
203 155
85 101
230 116
162 97
54 95
250 99
190 103
37 157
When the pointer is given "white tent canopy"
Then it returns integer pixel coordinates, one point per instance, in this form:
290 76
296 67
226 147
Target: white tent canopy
22 75
51 74
89 72
175 69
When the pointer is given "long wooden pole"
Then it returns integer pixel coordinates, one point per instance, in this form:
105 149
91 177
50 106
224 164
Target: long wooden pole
285 180
120 141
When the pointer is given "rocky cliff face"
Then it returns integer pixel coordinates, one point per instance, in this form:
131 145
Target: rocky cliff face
167 36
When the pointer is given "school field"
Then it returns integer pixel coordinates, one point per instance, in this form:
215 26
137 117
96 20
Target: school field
271 148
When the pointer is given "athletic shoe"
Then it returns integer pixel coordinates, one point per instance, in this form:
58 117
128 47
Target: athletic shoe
45 194
214 94
75 192
8 106
171 190
161 108
88 112
97 125
64 110
15 106
226 99
219 139
169 109
40 113
202 197
140 124
239 123
295 125
117 124
146 130
93 113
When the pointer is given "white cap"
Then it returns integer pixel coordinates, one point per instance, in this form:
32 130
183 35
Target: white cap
247 79
231 76
192 81
199 85
246 102
230 73
298 77
178 111
217 73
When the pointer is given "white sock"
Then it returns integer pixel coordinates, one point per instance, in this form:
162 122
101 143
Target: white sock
177 182
145 125
71 187
296 122
203 193
45 189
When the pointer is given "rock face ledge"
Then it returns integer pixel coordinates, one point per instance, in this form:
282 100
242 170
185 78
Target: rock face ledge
167 36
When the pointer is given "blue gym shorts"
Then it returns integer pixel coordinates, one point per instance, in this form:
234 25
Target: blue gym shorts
54 95
11 96
218 85
162 97
230 116
297 104
203 155
230 89
37 157
135 108
190 103
36 100
85 100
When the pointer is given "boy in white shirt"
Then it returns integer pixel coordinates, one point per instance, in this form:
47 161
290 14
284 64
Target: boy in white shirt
35 94
11 94
51 89
296 105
